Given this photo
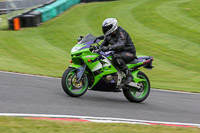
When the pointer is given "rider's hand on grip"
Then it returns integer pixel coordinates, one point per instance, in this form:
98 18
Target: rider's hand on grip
99 50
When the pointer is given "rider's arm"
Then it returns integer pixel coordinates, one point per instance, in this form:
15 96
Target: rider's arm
104 43
121 42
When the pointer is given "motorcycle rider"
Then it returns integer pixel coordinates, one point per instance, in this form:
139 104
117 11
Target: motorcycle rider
121 43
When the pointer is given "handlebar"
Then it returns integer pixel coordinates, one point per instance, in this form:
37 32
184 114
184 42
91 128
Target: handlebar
95 48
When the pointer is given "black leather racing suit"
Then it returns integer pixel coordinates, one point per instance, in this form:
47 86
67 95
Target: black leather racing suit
123 46
125 51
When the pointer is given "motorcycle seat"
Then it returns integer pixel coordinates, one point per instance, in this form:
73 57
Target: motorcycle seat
135 61
140 59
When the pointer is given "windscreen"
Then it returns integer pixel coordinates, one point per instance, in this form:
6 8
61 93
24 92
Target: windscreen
87 38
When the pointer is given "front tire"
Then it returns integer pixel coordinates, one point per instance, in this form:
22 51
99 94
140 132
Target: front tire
135 95
70 86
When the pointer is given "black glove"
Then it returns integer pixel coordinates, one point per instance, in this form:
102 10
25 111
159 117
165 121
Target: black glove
104 48
97 49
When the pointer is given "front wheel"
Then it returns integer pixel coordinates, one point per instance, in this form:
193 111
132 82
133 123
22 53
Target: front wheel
138 95
70 85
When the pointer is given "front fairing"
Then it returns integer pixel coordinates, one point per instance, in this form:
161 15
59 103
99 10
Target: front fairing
81 51
84 44
80 48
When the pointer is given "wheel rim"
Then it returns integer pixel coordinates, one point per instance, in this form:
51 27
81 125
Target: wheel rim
73 87
144 84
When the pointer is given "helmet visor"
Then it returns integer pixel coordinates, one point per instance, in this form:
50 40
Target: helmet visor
106 28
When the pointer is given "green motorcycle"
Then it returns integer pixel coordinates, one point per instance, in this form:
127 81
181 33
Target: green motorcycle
94 70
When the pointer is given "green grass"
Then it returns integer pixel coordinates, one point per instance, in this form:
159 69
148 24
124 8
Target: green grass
21 125
3 24
168 30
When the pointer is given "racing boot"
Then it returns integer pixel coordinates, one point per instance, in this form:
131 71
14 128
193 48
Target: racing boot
129 77
123 67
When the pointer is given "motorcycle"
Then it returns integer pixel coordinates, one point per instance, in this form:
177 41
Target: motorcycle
93 69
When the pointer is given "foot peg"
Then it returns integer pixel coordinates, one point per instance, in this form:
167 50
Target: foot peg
122 86
117 90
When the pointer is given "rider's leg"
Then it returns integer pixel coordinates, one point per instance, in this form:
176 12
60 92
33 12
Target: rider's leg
120 63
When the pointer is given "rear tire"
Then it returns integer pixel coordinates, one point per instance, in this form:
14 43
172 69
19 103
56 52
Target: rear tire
70 86
131 94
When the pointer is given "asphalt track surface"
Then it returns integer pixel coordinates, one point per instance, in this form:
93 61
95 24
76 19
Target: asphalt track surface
42 95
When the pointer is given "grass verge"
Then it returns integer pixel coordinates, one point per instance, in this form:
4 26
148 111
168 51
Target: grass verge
22 125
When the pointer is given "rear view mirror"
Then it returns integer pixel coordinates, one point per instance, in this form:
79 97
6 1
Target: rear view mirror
80 38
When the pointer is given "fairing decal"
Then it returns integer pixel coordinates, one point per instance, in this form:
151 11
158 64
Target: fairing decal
97 67
103 63
97 59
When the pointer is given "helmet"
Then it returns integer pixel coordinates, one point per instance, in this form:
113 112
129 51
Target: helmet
109 26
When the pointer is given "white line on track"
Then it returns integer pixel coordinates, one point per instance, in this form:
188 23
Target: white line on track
30 75
100 119
21 74
171 91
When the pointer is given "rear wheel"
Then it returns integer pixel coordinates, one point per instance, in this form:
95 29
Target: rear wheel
70 85
138 95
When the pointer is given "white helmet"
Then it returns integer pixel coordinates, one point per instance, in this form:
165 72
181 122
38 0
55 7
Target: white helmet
109 26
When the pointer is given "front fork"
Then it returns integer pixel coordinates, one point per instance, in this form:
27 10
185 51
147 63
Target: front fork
80 72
